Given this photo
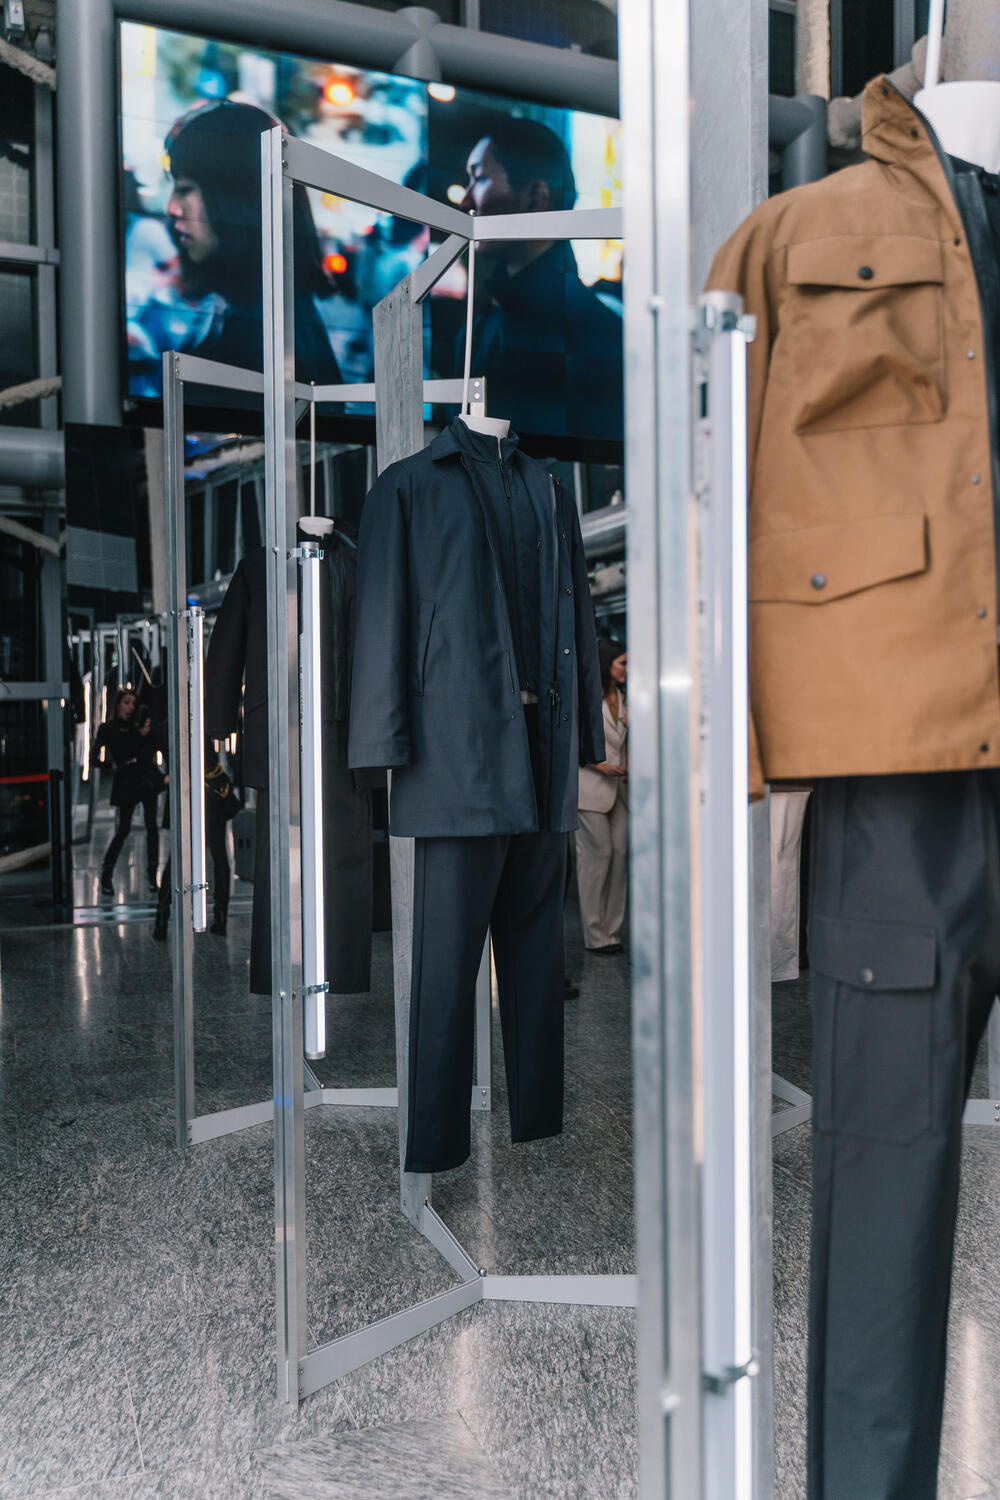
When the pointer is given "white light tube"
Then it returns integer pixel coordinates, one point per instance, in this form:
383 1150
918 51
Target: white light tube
314 983
741 1002
196 751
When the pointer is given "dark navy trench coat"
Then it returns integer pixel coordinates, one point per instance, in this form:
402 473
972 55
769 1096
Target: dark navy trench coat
435 694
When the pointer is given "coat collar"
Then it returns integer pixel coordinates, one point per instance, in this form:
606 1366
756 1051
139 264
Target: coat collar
895 133
448 442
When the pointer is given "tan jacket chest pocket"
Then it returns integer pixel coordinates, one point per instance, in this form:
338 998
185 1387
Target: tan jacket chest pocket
864 318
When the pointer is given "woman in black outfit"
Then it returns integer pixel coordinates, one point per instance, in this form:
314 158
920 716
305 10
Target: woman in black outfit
131 746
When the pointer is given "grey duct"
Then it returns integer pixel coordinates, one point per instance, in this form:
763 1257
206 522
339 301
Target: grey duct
32 458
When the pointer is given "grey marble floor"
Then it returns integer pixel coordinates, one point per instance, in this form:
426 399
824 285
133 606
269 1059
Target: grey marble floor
137 1286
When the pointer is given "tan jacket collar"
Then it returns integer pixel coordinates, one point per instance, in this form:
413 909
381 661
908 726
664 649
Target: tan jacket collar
894 132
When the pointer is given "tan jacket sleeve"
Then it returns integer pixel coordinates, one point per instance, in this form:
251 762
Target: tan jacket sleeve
742 266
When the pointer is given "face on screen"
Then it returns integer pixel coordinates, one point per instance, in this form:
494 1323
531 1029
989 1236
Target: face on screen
547 315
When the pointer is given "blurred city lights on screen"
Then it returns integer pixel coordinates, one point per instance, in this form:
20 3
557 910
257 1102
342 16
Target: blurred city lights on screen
444 93
456 193
335 265
339 91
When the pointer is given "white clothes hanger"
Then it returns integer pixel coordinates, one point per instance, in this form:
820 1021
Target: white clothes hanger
965 116
473 413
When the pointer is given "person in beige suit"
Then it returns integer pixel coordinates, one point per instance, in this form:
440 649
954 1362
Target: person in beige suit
602 837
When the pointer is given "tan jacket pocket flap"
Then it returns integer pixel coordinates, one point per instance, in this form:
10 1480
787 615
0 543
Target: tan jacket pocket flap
822 563
865 262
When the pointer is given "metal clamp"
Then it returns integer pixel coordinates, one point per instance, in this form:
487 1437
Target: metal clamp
718 1385
202 886
193 613
317 989
726 320
304 553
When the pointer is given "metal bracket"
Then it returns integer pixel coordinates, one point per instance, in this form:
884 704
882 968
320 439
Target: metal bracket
725 320
202 887
317 989
718 1385
190 614
304 553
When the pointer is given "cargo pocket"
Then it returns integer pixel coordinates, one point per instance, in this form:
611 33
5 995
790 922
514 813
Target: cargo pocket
426 609
818 564
874 1020
865 320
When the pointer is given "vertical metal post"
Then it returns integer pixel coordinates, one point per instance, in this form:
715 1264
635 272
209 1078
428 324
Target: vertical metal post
283 767
762 1110
314 982
724 907
399 432
655 92
481 1093
196 753
178 763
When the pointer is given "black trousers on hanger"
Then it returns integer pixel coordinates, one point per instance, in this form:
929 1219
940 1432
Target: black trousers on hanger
511 885
904 948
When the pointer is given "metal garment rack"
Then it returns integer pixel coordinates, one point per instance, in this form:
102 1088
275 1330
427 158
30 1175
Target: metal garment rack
399 427
186 749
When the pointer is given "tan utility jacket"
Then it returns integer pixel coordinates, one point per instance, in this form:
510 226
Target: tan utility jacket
873 597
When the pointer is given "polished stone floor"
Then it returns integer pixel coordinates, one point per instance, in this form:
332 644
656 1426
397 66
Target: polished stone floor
136 1285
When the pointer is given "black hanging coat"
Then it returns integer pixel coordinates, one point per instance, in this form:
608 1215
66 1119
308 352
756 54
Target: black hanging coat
435 691
238 648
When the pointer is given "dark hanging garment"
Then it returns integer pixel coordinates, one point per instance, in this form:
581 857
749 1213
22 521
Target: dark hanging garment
476 680
238 650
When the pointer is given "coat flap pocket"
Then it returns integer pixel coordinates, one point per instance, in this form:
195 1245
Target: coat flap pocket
873 955
865 262
821 563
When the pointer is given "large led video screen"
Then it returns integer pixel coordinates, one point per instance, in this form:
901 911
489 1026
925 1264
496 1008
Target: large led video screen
547 330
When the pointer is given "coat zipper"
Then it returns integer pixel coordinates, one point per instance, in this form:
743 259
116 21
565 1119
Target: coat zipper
988 351
496 572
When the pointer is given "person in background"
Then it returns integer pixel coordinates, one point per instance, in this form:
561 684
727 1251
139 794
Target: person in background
602 837
131 745
221 805
213 216
550 349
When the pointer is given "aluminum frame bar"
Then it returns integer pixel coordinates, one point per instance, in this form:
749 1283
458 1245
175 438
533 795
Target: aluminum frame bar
554 224
313 167
656 91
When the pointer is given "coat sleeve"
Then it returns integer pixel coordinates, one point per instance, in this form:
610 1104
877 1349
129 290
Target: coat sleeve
591 724
742 265
227 659
380 719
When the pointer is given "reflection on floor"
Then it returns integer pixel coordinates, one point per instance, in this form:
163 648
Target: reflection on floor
131 886
136 1286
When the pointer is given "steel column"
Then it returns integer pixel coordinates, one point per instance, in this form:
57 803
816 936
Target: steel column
656 89
283 767
90 306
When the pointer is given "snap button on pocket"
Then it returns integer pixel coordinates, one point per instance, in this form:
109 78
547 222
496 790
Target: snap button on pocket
818 580
866 273
867 976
